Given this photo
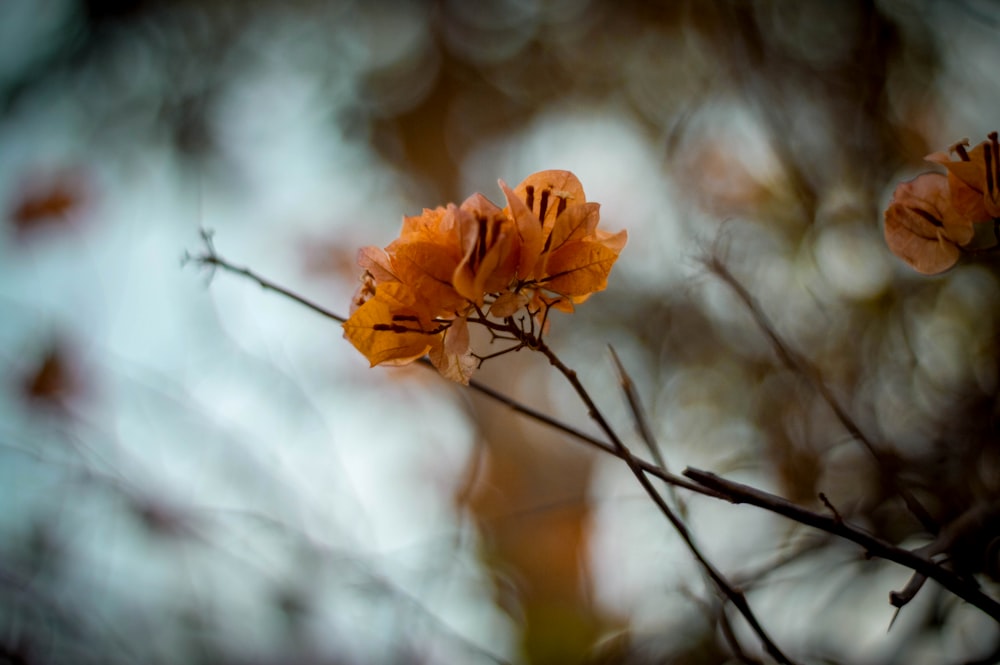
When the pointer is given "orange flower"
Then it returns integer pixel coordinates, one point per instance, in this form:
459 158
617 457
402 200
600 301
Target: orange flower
922 226
406 306
419 294
454 256
416 293
974 179
932 217
562 250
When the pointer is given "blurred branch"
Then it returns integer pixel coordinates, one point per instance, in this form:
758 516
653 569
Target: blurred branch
802 367
642 424
874 546
726 626
212 260
638 412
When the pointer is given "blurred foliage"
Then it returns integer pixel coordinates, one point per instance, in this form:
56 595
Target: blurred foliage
775 129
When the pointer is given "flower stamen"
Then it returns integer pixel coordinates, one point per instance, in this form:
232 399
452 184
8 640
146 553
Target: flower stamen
959 149
543 204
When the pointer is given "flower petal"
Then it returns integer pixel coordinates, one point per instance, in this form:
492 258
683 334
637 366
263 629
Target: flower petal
924 249
507 303
921 227
579 268
377 262
548 193
453 357
490 258
529 232
974 179
427 269
388 330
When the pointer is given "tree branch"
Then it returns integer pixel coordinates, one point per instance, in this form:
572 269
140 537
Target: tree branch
735 596
874 546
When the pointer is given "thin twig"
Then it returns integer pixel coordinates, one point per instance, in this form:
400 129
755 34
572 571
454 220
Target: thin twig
638 412
212 260
874 546
729 634
642 424
714 610
802 367
735 596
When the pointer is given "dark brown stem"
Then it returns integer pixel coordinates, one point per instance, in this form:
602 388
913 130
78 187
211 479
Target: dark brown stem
735 596
638 412
739 493
212 260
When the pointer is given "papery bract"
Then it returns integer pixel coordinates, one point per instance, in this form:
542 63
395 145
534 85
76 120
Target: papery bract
425 257
506 304
390 327
449 264
579 268
563 251
974 179
377 268
490 253
922 227
452 356
535 204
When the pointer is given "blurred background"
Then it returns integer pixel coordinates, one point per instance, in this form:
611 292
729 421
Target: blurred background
193 470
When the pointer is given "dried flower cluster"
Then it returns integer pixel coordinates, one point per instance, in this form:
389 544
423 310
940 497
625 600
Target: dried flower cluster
932 217
477 262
